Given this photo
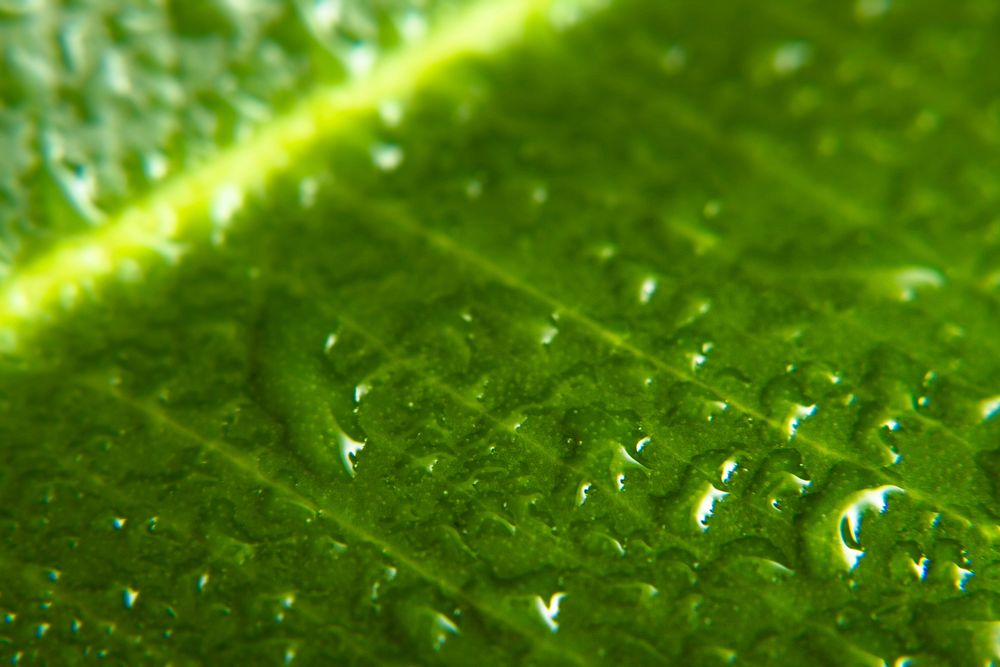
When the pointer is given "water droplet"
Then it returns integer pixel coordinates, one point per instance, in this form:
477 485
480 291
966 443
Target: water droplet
289 655
647 290
228 200
796 415
961 577
79 184
443 627
583 492
697 360
154 165
325 14
473 189
118 522
202 582
641 445
361 59
41 629
920 567
391 112
851 516
549 611
548 334
129 596
413 25
891 425
705 507
712 209
790 57
729 466
288 601
349 450
360 391
387 157
906 281
988 408
330 341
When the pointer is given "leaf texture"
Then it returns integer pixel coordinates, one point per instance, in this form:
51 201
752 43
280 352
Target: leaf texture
666 335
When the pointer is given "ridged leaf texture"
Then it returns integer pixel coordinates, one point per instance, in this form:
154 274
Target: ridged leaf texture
530 332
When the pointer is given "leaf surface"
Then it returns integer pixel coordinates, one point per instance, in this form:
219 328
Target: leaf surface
664 334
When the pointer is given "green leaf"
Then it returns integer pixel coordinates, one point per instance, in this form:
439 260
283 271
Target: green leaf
567 333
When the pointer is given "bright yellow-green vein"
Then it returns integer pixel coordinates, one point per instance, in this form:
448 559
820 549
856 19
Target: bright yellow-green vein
211 192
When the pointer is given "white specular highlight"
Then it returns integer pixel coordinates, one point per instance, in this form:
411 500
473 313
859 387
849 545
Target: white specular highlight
705 507
850 517
549 611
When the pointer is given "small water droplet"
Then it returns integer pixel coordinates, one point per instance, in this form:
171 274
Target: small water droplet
920 567
729 466
391 112
548 334
962 575
549 611
129 596
361 59
790 57
647 289
387 157
118 522
349 450
443 627
325 14
856 505
988 408
705 507
583 492
202 582
413 26
796 415
473 189
154 165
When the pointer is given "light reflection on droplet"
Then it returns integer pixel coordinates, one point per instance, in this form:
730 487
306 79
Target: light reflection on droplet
129 596
349 450
705 507
387 157
549 611
647 289
796 415
729 466
857 504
